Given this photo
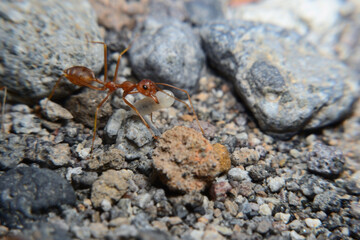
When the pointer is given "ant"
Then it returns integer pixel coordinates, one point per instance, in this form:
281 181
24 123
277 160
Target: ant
3 88
83 76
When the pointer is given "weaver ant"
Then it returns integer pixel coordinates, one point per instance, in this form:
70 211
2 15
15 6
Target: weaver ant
3 88
83 76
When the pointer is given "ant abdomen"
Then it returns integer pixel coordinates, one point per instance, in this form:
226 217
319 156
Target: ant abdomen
80 75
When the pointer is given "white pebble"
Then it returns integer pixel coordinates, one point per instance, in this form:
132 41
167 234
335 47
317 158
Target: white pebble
284 217
265 210
276 183
312 223
106 205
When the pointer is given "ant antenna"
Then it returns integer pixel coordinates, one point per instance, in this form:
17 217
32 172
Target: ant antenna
187 106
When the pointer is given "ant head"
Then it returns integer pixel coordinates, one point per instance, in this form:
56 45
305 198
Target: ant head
148 88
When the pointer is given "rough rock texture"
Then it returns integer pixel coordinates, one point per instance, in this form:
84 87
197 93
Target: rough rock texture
118 14
202 11
27 193
284 81
186 161
11 151
83 106
42 38
326 161
168 53
334 29
54 111
111 186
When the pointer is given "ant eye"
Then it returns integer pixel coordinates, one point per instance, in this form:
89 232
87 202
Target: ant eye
145 87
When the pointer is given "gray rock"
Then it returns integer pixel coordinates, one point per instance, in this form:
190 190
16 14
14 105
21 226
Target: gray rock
111 185
284 81
169 54
259 172
328 202
310 185
54 111
27 193
276 183
33 55
203 11
84 179
264 226
326 161
238 174
45 152
45 231
23 121
11 151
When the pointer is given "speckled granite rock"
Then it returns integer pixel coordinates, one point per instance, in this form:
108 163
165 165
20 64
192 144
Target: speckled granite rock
42 38
284 81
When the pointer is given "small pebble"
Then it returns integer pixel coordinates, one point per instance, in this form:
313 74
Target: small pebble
265 210
276 183
312 223
284 217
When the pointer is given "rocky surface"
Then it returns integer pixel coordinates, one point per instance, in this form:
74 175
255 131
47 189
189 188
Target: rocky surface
168 52
28 193
307 187
40 39
280 77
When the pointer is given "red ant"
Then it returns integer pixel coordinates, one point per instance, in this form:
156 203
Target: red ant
4 88
83 76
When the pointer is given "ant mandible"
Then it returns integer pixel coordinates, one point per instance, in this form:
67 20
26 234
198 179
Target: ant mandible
83 76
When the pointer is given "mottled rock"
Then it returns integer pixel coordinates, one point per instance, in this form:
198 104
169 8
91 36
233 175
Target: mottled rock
170 54
33 55
237 174
245 157
328 202
83 106
27 193
325 160
45 152
84 179
285 82
23 121
11 151
54 111
185 160
116 15
312 223
218 190
276 183
112 158
202 11
310 185
259 172
111 185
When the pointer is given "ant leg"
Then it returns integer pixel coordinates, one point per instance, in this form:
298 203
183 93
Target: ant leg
118 62
53 90
192 107
96 113
142 119
105 59
3 108
151 118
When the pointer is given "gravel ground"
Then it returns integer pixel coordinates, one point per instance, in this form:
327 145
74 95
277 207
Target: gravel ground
278 103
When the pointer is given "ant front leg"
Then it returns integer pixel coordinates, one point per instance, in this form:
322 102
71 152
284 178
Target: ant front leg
141 117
